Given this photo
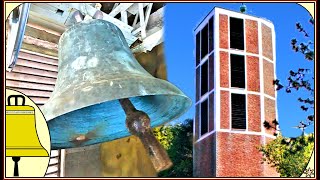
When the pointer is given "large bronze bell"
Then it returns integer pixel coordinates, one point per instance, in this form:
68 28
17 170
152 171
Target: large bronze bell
96 70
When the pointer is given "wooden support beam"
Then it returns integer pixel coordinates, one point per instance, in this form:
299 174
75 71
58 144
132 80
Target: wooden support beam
124 17
38 49
39 27
37 19
121 7
115 5
148 11
135 20
41 35
134 9
40 43
142 22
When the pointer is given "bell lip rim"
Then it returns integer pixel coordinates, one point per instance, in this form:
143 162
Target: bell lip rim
175 92
188 100
57 145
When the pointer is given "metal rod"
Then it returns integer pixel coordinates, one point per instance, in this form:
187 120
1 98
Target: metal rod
138 123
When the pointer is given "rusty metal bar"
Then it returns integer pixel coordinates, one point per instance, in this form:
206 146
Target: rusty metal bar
138 123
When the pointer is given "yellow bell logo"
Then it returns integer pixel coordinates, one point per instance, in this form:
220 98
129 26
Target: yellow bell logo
22 139
21 135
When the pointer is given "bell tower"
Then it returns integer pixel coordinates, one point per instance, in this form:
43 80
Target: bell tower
235 69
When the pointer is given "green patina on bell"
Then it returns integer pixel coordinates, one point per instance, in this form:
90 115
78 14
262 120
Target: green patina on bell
96 69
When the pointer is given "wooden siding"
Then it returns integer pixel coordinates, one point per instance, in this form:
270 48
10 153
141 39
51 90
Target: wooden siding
35 75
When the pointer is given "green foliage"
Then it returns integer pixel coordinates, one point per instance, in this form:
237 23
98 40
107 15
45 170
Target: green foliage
177 139
289 156
164 134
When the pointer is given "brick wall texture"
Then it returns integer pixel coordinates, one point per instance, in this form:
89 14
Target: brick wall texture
253 79
224 110
238 156
268 77
269 112
205 159
223 33
224 69
254 113
252 43
267 46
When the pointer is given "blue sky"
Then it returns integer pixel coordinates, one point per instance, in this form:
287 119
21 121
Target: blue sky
182 18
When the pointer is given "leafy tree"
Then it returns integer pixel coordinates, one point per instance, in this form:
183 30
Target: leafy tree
289 156
177 139
164 134
302 78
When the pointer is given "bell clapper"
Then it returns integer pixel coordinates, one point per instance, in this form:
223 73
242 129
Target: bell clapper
138 123
16 167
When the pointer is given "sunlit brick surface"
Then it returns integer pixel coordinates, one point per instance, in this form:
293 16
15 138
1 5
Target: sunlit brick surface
224 69
252 45
223 31
238 156
225 110
267 46
268 77
269 112
253 77
254 113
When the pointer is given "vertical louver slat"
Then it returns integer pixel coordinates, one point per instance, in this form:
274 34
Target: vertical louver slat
54 164
204 117
211 34
238 112
198 83
236 33
204 78
204 41
198 49
237 71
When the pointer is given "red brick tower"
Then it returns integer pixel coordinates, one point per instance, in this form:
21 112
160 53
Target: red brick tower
235 69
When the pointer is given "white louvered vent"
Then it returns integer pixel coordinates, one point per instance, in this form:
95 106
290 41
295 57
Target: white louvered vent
238 112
